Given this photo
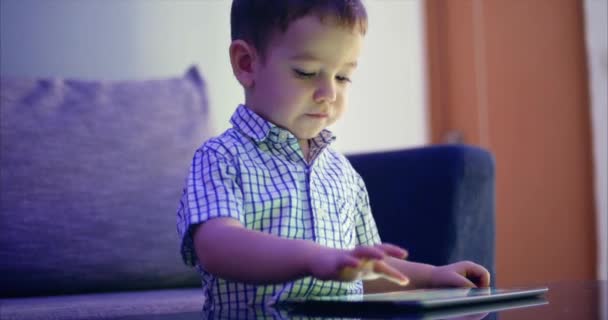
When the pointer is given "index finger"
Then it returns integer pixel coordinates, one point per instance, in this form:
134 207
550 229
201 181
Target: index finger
482 279
393 250
478 275
389 273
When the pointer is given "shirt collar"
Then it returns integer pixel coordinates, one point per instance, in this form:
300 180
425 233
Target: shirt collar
251 124
258 129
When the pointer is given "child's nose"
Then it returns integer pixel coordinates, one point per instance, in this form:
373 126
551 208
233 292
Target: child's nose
326 91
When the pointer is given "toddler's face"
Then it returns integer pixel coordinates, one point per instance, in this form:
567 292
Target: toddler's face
302 84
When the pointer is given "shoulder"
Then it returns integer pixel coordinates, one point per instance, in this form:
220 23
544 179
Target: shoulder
340 162
337 157
228 145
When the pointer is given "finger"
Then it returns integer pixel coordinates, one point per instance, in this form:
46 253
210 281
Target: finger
349 268
486 280
349 261
477 274
390 273
368 252
453 279
393 250
481 279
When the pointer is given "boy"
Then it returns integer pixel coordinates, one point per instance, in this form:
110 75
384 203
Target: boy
269 210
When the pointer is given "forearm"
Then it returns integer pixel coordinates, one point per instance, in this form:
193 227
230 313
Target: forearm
233 252
418 273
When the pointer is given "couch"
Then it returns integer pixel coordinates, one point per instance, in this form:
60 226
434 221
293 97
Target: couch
91 175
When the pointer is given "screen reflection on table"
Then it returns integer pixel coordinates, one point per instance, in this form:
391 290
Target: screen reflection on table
282 314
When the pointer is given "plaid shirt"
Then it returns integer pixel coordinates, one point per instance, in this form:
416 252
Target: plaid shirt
255 172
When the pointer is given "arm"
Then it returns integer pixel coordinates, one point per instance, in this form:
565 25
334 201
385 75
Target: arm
460 274
228 250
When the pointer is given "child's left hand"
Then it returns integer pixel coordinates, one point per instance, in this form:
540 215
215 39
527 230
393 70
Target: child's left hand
460 274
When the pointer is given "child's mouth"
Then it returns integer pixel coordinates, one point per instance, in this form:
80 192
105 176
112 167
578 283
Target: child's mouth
317 115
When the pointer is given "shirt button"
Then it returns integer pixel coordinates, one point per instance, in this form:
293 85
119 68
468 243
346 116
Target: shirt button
283 135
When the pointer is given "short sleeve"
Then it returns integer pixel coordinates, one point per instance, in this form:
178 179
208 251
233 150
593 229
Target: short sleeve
211 191
365 225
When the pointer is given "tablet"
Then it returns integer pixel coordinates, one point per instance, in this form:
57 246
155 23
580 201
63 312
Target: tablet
424 299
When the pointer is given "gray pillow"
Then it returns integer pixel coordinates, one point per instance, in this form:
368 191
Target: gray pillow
91 176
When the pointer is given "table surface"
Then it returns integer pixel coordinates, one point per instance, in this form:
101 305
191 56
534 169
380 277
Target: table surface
580 300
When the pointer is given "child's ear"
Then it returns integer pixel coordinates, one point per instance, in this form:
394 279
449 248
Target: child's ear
242 58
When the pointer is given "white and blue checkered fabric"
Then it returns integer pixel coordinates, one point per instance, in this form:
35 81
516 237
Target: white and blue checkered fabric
255 172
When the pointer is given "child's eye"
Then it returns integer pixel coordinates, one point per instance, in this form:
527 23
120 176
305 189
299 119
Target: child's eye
343 79
303 74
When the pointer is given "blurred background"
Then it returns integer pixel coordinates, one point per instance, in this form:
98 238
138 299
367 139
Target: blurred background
525 79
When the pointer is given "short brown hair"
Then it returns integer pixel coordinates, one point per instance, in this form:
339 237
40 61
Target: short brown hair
255 21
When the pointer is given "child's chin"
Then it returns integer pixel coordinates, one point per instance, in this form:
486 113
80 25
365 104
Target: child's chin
308 135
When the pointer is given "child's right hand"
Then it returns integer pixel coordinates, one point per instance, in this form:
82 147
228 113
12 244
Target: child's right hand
363 262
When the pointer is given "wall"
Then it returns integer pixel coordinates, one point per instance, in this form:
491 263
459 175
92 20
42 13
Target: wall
112 39
511 76
596 27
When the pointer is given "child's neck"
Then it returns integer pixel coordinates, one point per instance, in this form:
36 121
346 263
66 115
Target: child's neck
305 146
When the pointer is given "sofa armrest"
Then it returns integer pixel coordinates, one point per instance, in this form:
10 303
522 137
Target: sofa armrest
438 202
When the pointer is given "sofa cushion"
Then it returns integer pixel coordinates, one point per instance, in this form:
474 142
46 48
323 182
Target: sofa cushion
157 304
435 201
91 178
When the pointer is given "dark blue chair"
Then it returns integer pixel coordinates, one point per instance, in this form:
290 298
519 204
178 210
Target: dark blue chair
438 202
